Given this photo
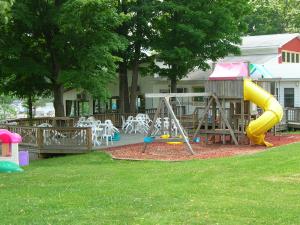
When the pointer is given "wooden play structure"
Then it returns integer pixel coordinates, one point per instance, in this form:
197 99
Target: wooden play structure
214 118
215 122
233 90
226 114
230 114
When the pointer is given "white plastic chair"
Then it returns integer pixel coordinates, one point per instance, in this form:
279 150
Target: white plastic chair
157 126
129 126
110 124
142 126
108 135
91 119
123 122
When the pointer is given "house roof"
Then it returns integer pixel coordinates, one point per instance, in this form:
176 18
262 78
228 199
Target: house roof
284 70
257 59
198 74
265 41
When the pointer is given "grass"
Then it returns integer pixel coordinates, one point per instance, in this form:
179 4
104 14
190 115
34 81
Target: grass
93 189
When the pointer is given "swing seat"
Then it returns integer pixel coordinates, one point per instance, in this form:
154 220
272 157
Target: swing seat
175 143
166 136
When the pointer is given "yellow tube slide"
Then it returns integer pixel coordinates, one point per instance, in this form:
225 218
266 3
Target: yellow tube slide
272 112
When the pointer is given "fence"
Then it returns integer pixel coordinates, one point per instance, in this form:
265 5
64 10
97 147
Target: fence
55 139
292 115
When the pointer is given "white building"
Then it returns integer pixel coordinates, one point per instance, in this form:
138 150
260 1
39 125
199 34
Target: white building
279 54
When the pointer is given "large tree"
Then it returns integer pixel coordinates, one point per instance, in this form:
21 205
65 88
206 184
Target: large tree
273 16
191 32
138 31
69 42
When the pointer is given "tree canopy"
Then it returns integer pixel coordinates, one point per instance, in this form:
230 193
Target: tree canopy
138 32
191 32
68 43
273 16
57 44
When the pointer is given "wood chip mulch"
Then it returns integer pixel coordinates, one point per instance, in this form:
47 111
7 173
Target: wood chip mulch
166 152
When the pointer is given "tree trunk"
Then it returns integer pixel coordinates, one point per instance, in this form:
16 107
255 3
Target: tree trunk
173 86
123 88
134 86
58 92
30 106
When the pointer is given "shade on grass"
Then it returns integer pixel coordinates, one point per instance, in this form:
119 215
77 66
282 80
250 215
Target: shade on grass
93 189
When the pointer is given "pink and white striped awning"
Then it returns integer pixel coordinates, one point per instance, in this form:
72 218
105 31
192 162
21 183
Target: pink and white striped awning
229 71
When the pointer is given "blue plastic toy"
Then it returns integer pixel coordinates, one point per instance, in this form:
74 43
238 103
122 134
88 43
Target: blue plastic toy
9 167
148 139
197 139
116 137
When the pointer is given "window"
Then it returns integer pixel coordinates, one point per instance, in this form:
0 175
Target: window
198 90
140 103
77 108
293 57
83 108
288 57
71 108
164 91
181 90
114 103
272 88
289 97
283 56
99 106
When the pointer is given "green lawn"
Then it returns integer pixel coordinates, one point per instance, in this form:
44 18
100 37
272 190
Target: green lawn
93 189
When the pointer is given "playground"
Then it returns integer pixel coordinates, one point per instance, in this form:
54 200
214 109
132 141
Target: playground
165 152
235 115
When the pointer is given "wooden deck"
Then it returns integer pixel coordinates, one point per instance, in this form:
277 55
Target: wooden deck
54 140
64 140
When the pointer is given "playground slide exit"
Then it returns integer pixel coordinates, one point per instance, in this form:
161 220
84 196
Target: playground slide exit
272 112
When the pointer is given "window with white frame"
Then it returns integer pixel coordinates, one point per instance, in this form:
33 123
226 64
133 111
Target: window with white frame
289 97
181 90
290 57
198 89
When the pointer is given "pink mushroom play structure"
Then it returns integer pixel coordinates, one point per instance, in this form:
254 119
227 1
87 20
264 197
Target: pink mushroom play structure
10 146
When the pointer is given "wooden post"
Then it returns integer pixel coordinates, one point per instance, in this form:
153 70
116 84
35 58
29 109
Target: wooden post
162 118
40 138
222 113
243 118
206 126
223 126
89 138
231 117
214 111
170 120
203 117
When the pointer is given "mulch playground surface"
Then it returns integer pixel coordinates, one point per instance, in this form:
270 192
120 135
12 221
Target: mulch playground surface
166 152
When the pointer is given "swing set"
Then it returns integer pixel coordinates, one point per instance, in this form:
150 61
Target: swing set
168 135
